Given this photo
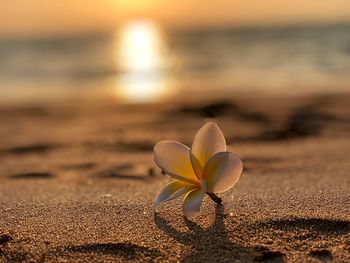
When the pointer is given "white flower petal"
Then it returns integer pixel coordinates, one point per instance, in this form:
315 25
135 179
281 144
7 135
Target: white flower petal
208 141
192 201
222 172
174 158
173 190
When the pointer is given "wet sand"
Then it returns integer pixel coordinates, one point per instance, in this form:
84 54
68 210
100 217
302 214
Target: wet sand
77 182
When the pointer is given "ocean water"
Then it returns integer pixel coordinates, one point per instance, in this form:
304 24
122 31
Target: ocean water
142 62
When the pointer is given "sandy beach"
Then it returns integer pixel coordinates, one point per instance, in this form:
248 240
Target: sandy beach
77 182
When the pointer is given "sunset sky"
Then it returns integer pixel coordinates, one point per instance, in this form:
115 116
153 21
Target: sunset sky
28 17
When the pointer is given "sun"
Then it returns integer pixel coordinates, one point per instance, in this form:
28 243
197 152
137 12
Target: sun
141 61
140 46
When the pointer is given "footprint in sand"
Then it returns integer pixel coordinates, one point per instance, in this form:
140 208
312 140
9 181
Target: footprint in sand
298 125
266 255
306 232
78 166
223 108
323 255
125 171
32 175
30 149
123 251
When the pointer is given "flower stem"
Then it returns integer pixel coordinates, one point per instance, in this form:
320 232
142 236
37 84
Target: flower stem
215 198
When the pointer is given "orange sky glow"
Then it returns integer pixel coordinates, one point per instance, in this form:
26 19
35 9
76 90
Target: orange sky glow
23 17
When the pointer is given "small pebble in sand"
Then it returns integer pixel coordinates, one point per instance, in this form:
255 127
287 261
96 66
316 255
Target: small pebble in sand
108 195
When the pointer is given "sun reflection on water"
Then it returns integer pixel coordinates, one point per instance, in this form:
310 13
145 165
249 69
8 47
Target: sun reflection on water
141 59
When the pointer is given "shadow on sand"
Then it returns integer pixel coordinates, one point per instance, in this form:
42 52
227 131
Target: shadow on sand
213 244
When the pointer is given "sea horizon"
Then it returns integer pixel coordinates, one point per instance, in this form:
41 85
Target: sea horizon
172 61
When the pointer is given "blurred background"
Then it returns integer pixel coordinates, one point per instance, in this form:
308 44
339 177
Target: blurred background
152 50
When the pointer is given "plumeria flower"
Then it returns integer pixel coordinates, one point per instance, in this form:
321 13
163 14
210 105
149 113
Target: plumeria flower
206 167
